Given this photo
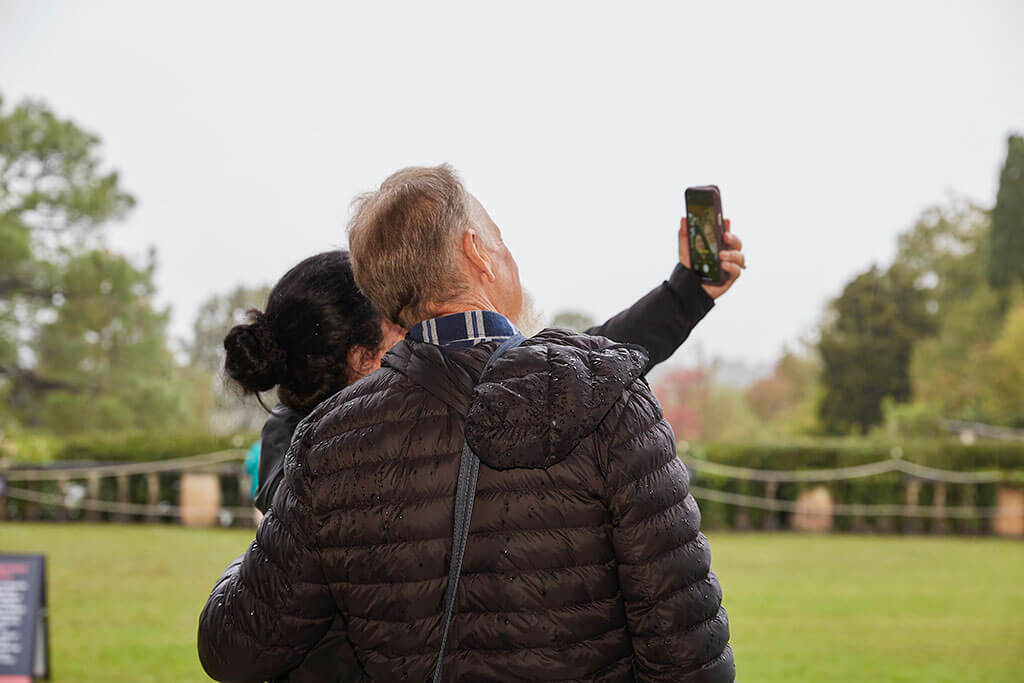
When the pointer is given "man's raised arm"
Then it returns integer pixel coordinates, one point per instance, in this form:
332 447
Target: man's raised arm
664 317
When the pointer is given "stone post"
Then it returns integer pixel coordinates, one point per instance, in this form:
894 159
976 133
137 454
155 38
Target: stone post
814 511
200 499
1009 517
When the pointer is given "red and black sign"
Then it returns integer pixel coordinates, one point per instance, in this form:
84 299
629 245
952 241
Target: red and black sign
24 647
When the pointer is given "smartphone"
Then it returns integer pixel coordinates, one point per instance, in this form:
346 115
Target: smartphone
706 232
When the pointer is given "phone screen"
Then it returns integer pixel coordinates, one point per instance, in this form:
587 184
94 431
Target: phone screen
701 220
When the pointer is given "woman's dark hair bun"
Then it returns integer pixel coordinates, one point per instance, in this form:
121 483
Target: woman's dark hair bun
314 315
254 359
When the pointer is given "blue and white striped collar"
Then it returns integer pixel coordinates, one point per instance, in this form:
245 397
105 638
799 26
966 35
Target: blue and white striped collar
463 329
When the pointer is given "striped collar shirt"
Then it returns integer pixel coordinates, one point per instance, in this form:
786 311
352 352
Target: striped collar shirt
463 329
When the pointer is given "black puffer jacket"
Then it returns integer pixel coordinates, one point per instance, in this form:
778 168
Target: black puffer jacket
660 321
584 561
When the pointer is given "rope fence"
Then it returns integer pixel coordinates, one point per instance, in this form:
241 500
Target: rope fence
842 473
815 508
854 509
112 507
103 471
72 496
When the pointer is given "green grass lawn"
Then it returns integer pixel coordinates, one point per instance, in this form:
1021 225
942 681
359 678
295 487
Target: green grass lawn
124 601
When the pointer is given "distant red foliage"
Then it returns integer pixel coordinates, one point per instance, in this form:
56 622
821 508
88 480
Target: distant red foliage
682 394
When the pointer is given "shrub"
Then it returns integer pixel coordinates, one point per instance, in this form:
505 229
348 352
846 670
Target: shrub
144 446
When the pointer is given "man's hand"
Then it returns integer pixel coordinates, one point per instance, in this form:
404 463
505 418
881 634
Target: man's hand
733 260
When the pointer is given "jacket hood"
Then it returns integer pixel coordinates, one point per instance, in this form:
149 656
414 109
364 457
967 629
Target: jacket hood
536 402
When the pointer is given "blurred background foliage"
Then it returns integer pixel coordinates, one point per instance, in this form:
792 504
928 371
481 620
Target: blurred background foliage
936 335
85 355
84 350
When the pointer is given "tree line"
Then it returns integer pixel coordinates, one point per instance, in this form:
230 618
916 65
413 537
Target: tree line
936 334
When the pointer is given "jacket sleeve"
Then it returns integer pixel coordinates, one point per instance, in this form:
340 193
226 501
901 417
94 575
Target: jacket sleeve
272 604
679 630
275 438
663 318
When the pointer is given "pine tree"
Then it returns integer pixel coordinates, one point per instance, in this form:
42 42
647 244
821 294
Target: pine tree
1006 246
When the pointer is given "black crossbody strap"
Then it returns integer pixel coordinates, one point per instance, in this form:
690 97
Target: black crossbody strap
465 493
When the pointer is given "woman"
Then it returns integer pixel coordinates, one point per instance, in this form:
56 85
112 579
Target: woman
318 334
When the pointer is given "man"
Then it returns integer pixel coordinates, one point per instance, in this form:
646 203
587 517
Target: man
584 559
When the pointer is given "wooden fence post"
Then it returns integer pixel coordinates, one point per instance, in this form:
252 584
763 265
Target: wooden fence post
971 525
771 517
912 525
33 512
245 498
152 495
123 496
61 513
92 486
940 524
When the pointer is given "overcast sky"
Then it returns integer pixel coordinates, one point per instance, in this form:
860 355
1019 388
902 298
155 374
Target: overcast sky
244 129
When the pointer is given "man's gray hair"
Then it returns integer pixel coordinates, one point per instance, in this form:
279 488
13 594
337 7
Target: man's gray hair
403 239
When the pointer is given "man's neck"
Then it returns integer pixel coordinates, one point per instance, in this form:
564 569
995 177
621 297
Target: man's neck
471 302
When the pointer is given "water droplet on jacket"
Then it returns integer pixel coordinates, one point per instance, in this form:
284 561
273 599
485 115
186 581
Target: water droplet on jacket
506 552
410 626
506 621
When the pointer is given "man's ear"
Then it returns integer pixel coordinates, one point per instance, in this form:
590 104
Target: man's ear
361 361
475 251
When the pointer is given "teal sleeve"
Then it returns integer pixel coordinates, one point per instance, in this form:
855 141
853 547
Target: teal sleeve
252 462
